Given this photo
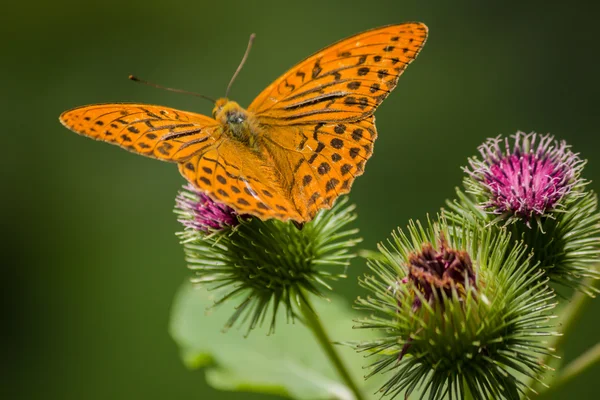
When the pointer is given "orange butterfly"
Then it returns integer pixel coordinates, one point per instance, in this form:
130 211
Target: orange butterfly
295 149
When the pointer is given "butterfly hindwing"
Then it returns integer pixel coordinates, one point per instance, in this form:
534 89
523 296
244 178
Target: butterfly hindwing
153 131
234 175
322 160
343 82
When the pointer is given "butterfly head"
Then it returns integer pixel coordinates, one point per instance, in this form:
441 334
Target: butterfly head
234 118
229 112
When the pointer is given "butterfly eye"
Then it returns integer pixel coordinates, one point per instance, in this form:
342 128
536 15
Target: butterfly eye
235 117
218 108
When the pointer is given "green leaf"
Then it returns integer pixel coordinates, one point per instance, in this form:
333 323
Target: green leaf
288 362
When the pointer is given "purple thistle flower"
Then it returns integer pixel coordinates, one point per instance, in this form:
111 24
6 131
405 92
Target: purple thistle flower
200 212
528 181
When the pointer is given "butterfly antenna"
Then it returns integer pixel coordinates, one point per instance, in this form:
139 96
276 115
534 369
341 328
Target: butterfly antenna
136 79
239 68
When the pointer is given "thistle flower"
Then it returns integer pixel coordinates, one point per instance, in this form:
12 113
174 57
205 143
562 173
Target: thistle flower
538 176
199 212
266 264
538 180
480 317
432 271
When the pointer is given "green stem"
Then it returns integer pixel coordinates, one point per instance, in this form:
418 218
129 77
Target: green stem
312 321
577 366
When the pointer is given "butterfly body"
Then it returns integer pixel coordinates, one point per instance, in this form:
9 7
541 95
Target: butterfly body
297 147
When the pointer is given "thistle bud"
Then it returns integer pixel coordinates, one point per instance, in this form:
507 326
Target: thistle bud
459 312
264 265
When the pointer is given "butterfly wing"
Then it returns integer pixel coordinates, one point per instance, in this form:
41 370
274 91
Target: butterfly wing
343 82
318 117
234 174
321 160
226 170
153 131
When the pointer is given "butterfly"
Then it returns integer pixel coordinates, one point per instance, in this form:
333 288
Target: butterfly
297 147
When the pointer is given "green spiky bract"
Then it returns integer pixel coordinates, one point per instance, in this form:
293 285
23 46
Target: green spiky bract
271 263
565 242
484 339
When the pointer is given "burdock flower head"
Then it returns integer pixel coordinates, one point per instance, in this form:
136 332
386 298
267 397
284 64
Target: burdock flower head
532 185
459 313
265 265
528 179
199 212
432 271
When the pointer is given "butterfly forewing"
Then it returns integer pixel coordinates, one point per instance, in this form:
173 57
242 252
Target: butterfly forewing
343 82
153 131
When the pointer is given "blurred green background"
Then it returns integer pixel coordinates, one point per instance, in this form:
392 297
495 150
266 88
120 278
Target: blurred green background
90 260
